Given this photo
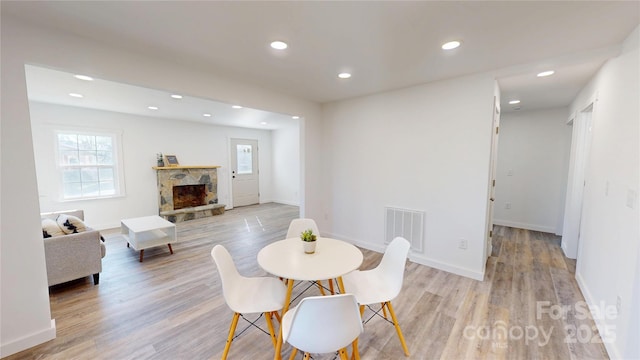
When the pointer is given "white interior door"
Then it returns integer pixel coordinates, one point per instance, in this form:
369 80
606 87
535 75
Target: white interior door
588 118
577 182
493 164
244 172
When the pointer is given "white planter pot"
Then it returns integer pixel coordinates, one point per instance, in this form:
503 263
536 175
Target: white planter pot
309 247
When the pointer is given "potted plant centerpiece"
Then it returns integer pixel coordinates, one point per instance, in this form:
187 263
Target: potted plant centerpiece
308 241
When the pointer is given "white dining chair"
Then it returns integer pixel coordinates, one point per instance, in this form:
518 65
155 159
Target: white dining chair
323 324
296 227
382 284
246 295
299 225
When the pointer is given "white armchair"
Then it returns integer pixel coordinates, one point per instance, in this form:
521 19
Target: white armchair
73 256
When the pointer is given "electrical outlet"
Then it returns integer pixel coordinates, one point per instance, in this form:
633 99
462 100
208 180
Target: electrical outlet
618 304
462 244
507 205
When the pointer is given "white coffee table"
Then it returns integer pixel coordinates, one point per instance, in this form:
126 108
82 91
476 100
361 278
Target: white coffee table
148 231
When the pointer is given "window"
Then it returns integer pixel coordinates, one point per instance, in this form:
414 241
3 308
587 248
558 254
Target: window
245 159
88 164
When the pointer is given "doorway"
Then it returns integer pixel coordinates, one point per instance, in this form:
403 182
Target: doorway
244 172
580 148
493 164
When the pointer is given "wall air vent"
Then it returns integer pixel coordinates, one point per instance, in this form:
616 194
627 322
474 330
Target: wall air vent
406 223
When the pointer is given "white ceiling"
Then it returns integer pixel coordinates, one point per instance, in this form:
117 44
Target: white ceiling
52 86
386 45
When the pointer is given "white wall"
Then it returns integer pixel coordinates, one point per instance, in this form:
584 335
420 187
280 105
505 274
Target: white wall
610 233
286 165
534 149
193 143
25 317
24 299
422 148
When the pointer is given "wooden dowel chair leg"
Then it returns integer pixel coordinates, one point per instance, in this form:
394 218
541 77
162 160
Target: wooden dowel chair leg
397 326
307 356
384 310
340 285
278 355
343 354
268 316
355 354
232 331
331 287
294 352
319 283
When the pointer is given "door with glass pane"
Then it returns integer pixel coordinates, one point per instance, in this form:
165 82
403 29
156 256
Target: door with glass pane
244 172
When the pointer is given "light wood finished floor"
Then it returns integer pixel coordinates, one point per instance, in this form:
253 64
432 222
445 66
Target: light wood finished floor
171 306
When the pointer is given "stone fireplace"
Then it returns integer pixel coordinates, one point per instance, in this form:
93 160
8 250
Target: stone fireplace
188 192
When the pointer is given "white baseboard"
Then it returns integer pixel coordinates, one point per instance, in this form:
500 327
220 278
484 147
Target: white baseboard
286 202
29 341
519 225
611 348
454 269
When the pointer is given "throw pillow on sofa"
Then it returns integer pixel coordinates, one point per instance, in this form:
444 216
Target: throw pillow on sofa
50 228
70 224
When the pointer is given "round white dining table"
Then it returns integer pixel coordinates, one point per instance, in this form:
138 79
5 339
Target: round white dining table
332 259
287 259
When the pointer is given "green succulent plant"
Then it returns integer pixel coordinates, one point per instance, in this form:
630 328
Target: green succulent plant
308 235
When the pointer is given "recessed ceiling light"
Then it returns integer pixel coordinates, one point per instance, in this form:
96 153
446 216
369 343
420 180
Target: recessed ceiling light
295 117
76 95
264 123
344 75
450 45
237 107
83 77
206 115
176 96
545 73
513 102
152 107
279 45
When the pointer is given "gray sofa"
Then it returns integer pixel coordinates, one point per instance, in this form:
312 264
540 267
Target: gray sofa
73 256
